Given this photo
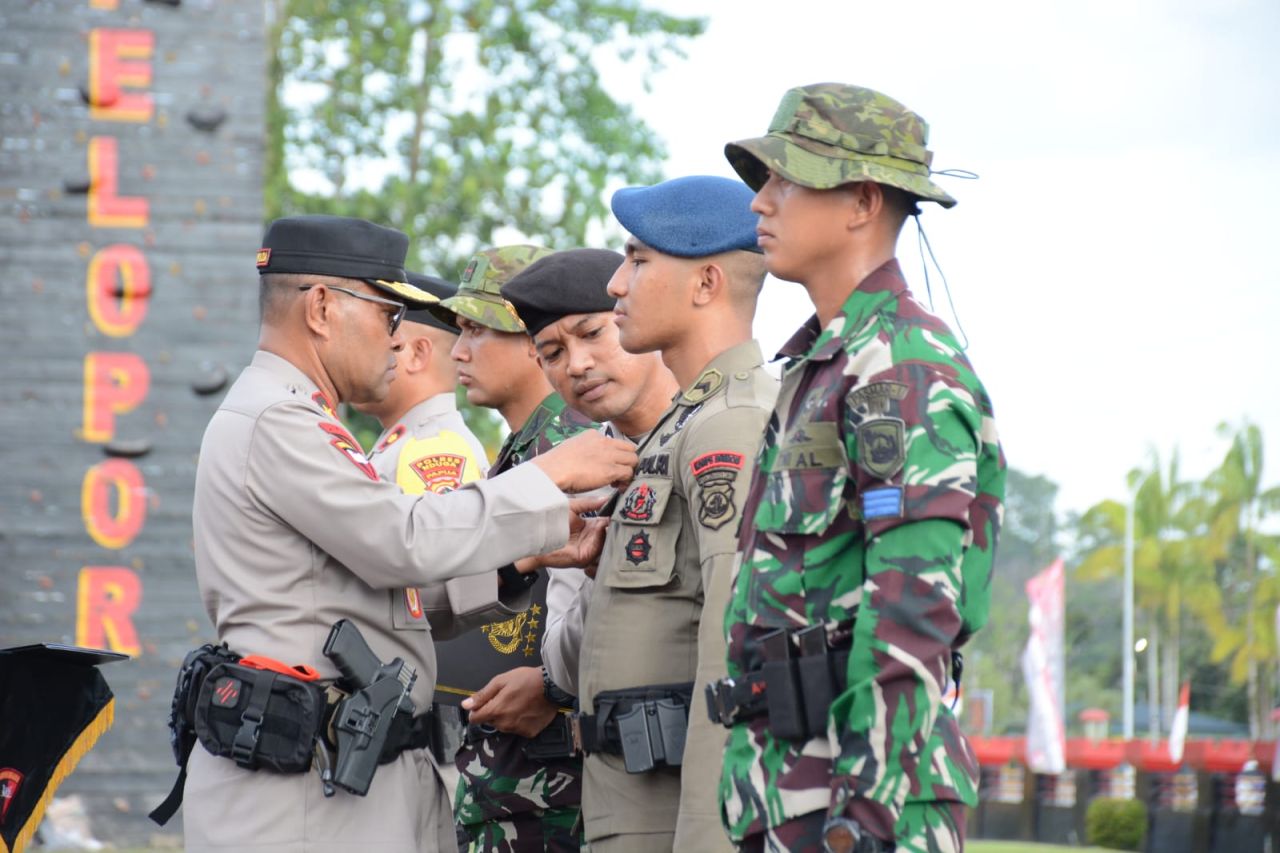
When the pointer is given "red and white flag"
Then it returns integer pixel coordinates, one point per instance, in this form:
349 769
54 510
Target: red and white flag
1043 669
1178 731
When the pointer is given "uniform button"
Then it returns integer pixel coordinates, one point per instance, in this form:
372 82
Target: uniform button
741 375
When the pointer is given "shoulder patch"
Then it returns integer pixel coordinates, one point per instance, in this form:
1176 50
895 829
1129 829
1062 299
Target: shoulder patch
882 447
875 397
441 472
708 383
346 445
716 459
882 503
715 473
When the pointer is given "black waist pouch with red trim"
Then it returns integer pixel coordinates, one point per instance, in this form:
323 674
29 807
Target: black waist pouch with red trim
260 719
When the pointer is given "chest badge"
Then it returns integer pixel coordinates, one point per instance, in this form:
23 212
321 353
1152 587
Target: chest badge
639 502
638 548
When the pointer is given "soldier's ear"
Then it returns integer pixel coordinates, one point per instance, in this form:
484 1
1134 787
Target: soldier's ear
866 200
421 350
317 311
711 283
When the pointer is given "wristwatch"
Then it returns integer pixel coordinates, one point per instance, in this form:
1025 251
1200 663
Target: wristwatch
842 835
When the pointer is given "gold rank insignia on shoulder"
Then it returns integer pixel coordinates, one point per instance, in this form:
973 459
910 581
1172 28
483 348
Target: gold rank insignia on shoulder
707 384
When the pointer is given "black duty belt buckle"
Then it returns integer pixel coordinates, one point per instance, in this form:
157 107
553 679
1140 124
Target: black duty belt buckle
720 707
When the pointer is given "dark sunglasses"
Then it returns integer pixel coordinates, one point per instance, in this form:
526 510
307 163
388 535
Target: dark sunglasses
393 320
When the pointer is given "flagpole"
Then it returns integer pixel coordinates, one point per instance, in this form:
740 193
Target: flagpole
1126 648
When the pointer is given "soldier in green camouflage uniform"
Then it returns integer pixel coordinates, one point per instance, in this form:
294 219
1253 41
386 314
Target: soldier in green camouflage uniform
873 514
506 801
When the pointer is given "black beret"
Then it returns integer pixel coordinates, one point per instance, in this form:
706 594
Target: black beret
340 246
440 289
572 282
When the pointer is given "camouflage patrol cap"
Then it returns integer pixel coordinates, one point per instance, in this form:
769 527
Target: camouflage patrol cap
828 134
478 298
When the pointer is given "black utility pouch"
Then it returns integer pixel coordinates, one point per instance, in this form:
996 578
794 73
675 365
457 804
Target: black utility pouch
182 709
817 687
651 732
786 704
182 717
260 719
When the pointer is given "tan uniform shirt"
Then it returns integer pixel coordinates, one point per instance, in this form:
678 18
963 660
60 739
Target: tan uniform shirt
294 531
656 611
431 449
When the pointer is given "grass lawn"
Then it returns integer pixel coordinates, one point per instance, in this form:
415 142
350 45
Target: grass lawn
978 846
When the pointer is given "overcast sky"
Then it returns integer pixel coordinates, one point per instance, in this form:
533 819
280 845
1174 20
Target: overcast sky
1113 266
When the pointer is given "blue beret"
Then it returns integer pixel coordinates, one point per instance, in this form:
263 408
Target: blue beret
690 217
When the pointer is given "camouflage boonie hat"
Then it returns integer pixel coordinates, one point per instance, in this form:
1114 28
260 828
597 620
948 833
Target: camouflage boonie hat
829 134
478 298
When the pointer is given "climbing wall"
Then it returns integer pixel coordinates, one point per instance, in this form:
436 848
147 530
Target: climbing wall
131 144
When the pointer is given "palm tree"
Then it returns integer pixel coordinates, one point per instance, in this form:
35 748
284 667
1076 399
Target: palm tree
1243 630
1172 563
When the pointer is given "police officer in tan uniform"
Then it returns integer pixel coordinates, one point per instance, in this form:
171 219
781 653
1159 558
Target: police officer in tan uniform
295 531
653 629
426 446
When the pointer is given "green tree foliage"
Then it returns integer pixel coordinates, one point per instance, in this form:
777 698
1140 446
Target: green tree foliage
1243 622
1205 577
459 120
1174 557
451 120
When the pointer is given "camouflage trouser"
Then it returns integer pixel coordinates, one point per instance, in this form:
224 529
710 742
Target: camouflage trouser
550 830
936 827
509 803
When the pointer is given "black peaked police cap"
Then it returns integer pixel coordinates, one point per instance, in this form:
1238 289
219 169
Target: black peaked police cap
55 705
441 290
572 282
340 246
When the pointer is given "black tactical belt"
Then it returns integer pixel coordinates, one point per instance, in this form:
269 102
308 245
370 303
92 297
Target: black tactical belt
555 741
407 733
645 725
799 678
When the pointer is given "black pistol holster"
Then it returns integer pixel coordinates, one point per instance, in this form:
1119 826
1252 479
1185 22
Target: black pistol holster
645 725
